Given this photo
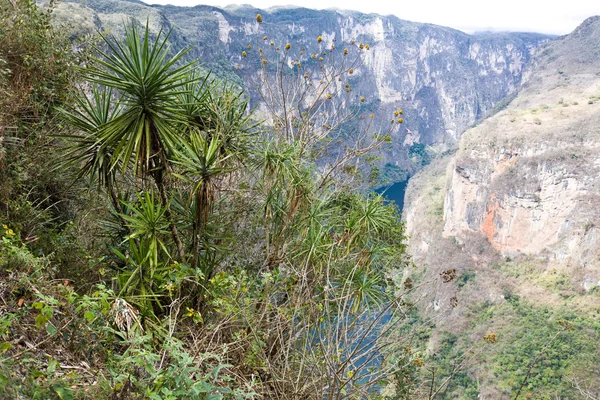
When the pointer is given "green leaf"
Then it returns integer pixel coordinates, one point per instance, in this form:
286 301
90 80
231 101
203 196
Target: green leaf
64 393
89 316
5 346
50 329
37 305
40 321
52 364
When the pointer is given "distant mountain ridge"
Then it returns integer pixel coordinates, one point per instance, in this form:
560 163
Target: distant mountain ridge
444 79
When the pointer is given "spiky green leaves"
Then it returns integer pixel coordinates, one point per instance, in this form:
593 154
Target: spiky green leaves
218 109
201 161
141 71
88 116
149 224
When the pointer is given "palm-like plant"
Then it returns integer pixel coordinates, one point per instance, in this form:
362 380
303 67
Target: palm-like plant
283 184
217 124
147 223
149 82
194 100
139 283
146 252
368 216
227 115
365 288
218 110
88 115
316 239
202 162
145 131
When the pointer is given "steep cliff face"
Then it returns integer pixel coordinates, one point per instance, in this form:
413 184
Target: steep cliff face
515 213
445 80
528 178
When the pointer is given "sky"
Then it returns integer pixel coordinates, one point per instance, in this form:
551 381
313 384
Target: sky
543 16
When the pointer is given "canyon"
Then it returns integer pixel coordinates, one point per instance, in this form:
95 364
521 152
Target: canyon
514 210
444 80
509 201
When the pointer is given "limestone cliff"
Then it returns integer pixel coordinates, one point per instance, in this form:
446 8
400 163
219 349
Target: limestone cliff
528 178
515 212
524 184
444 79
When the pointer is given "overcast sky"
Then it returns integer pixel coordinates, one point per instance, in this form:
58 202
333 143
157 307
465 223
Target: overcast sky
544 16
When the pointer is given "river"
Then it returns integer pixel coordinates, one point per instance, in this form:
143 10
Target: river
394 192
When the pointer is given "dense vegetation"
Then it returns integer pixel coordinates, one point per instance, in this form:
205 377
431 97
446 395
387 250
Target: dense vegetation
560 344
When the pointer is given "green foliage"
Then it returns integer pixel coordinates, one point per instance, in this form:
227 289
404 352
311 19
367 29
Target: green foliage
148 224
37 64
525 333
202 161
38 73
147 79
392 173
140 371
43 309
418 153
273 255
171 374
250 263
88 116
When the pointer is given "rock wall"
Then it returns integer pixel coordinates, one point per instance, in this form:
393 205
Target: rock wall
529 177
515 214
444 79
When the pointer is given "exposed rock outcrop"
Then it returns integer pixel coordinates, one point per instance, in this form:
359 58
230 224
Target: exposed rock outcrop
529 177
515 212
444 79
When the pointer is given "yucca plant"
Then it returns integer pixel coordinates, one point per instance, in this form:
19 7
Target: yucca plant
365 288
145 132
231 119
201 163
138 284
216 107
84 147
368 216
149 225
148 252
141 71
283 184
316 239
217 125
194 99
